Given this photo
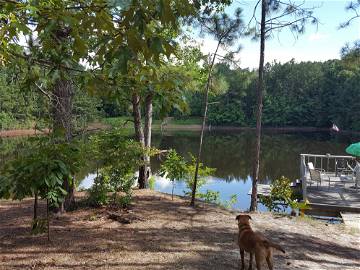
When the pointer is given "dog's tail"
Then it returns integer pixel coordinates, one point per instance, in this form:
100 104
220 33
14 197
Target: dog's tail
271 244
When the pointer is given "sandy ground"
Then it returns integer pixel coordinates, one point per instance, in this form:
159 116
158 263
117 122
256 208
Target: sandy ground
166 235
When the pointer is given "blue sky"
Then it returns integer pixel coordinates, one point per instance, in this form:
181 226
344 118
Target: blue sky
316 44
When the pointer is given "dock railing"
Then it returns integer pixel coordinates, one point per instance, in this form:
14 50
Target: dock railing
329 164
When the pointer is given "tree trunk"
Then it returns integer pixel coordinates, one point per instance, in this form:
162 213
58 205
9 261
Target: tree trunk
147 133
48 219
62 124
62 108
35 206
193 193
139 134
260 90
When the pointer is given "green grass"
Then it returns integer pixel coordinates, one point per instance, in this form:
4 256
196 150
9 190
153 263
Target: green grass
117 121
186 121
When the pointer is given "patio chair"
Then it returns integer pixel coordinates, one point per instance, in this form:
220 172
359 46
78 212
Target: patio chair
354 177
317 177
342 167
311 167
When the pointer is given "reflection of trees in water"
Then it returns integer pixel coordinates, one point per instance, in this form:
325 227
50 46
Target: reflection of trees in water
9 147
231 153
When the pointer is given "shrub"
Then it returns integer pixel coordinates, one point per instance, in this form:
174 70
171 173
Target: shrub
152 181
98 193
203 172
281 196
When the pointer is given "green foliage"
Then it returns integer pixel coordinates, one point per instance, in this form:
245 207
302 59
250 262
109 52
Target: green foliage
98 193
211 196
39 226
297 94
125 201
152 181
203 172
41 170
119 157
229 204
281 196
174 166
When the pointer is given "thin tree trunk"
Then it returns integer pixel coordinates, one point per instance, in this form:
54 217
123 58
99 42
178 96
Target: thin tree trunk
147 133
193 193
35 206
139 133
47 219
260 90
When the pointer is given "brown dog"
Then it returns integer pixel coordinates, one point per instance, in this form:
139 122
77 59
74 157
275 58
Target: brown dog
254 243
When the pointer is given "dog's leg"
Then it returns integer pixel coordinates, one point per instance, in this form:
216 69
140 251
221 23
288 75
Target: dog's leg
258 261
270 262
250 261
242 259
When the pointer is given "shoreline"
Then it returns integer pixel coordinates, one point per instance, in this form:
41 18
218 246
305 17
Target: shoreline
178 127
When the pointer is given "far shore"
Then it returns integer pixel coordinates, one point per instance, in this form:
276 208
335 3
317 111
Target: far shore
180 127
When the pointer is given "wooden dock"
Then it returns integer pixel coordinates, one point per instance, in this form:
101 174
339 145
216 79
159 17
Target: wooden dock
351 220
337 197
262 189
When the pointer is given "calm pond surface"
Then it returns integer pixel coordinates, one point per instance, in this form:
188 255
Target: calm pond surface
231 153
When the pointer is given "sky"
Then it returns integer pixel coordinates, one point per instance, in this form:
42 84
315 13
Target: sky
318 43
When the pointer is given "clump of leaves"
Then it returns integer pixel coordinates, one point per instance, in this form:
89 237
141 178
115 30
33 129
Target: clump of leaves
98 193
211 196
152 181
174 168
281 196
39 226
203 172
41 171
119 157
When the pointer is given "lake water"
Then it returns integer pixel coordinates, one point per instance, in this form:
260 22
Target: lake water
231 153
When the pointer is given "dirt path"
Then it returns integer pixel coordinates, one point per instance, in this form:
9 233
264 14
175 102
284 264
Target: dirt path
167 235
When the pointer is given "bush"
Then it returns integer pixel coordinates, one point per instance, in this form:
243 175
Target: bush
98 193
152 181
203 172
281 196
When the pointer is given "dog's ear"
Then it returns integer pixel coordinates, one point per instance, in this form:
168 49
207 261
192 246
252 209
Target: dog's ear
249 216
237 217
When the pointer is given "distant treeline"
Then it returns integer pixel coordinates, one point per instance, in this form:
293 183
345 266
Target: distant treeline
297 94
315 94
302 94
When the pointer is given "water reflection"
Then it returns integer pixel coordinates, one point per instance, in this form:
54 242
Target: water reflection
231 153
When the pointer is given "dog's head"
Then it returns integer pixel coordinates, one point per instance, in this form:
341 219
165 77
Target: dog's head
243 219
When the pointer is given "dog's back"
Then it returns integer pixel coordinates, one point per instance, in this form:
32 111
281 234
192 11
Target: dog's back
255 242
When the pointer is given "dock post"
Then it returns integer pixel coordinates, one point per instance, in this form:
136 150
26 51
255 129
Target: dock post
303 175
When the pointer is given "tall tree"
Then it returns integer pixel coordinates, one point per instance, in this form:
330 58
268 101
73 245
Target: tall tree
144 33
226 31
275 16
